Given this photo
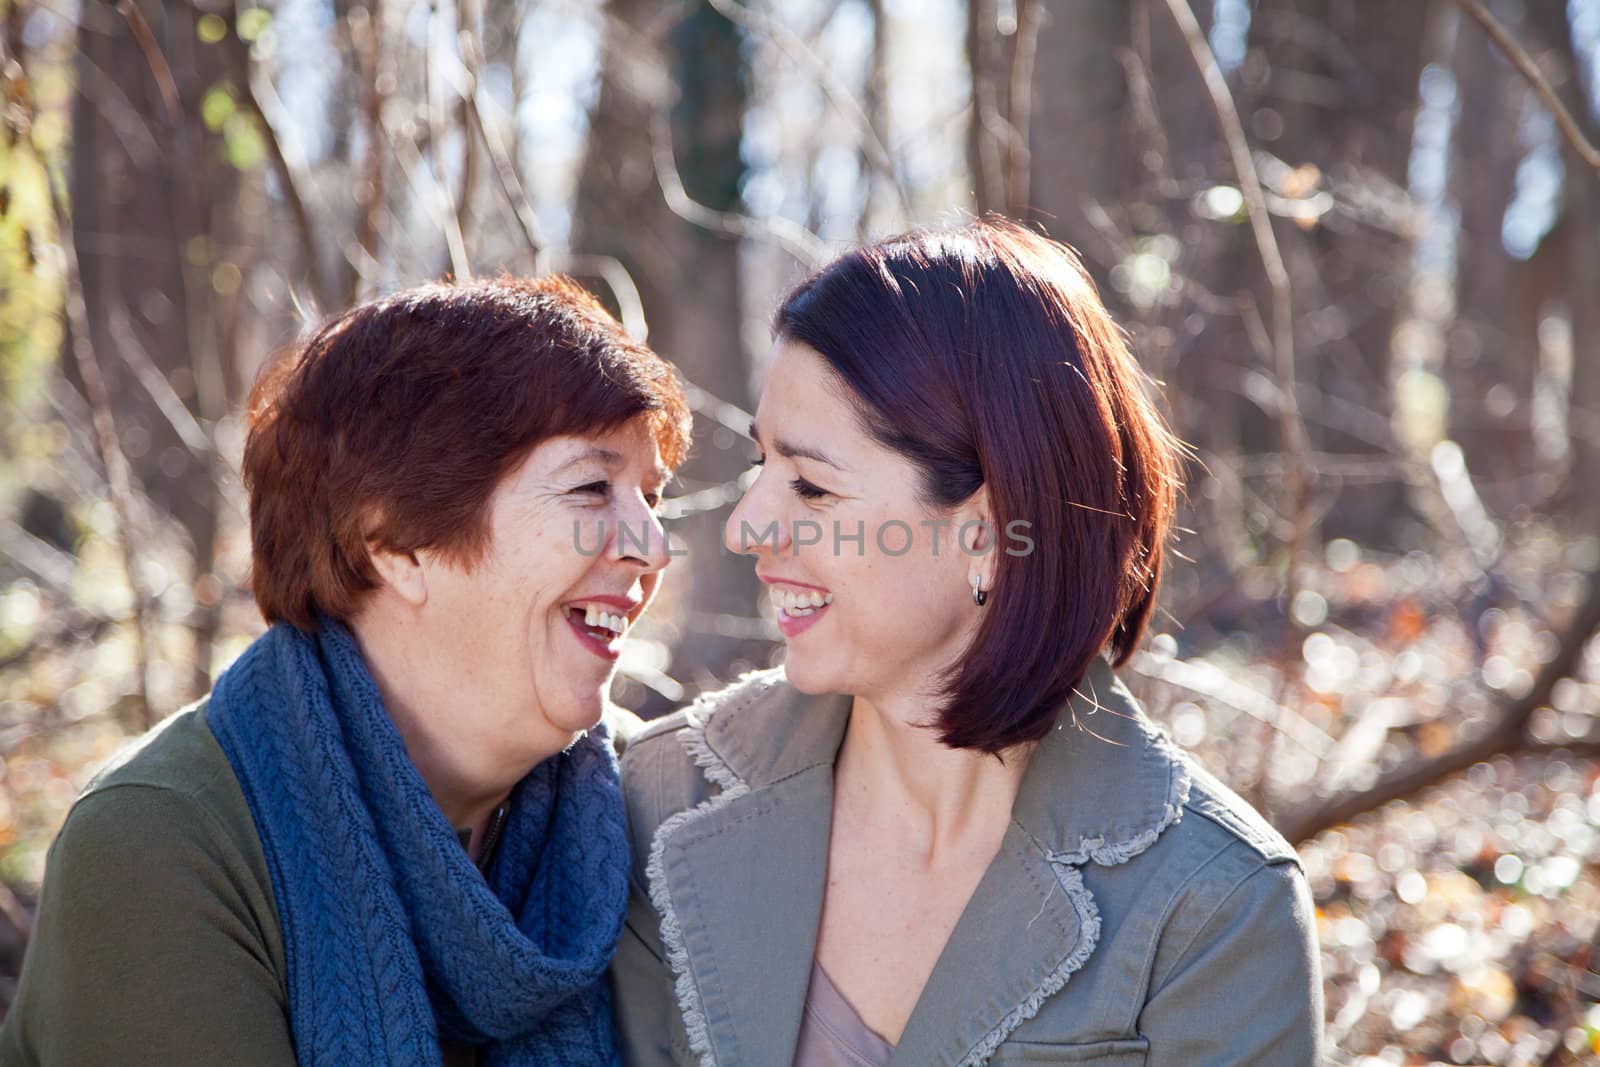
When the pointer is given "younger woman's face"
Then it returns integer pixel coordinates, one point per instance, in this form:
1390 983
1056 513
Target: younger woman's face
836 517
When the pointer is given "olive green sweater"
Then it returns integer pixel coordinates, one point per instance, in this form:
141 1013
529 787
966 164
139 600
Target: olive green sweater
157 938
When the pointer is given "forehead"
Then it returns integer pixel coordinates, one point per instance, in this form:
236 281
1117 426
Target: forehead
805 405
632 446
800 383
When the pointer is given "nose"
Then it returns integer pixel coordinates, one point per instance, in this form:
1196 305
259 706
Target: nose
754 524
641 540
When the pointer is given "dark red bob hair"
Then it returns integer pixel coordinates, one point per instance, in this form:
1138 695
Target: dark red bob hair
396 421
984 355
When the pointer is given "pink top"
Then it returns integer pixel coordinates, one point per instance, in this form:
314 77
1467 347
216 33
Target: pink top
832 1034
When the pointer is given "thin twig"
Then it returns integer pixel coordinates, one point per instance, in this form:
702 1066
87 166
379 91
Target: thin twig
630 305
367 36
505 167
799 241
791 45
1019 97
985 127
159 68
154 380
1529 69
468 12
1291 427
1212 684
609 269
435 200
289 179
119 475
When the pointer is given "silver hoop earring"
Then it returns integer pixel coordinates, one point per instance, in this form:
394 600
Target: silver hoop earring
979 595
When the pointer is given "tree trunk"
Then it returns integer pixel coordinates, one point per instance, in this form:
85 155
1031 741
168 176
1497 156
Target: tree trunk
1343 86
688 280
1083 145
1576 241
154 203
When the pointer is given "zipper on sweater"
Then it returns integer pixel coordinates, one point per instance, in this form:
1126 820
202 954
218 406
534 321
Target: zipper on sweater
491 837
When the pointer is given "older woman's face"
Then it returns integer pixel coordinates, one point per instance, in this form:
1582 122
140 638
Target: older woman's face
532 632
895 585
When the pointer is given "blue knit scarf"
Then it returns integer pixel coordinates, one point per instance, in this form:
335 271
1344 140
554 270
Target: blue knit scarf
392 936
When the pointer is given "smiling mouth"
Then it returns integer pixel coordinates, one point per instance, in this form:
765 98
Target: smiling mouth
799 603
599 628
601 623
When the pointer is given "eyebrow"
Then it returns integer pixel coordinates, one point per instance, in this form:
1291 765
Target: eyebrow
789 450
606 458
604 455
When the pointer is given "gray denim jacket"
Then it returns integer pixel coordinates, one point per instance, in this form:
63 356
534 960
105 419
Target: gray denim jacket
1137 913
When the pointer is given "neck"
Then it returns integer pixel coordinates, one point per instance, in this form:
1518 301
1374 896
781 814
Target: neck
467 776
899 770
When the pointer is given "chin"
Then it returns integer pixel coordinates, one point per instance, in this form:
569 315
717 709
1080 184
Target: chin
809 678
579 714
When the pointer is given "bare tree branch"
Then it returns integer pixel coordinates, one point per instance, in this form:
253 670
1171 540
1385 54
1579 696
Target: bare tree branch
468 17
1509 734
290 181
1291 428
802 243
119 474
1290 425
159 69
367 32
435 199
609 269
1019 105
155 383
1213 684
986 130
505 167
1529 69
791 45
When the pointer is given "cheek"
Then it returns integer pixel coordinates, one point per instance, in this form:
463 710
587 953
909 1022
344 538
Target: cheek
905 602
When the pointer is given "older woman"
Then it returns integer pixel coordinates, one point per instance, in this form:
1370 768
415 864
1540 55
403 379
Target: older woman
944 833
393 833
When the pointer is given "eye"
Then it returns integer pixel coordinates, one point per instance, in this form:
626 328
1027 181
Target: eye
806 489
759 461
602 488
652 499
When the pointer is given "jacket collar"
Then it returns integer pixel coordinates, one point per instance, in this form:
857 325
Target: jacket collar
1102 745
738 881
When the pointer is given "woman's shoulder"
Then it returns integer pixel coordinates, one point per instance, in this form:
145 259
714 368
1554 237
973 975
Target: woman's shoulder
1213 844
174 780
1222 853
168 807
685 758
156 908
1217 813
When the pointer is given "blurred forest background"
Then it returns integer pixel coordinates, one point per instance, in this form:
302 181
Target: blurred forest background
1358 240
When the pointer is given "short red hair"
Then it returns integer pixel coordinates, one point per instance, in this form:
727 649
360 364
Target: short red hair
396 421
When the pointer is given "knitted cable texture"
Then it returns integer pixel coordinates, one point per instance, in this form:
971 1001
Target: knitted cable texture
393 938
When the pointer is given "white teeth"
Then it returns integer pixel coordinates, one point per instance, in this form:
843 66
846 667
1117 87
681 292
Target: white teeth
797 603
595 616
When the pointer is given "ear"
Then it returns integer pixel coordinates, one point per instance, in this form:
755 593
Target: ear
401 572
977 537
